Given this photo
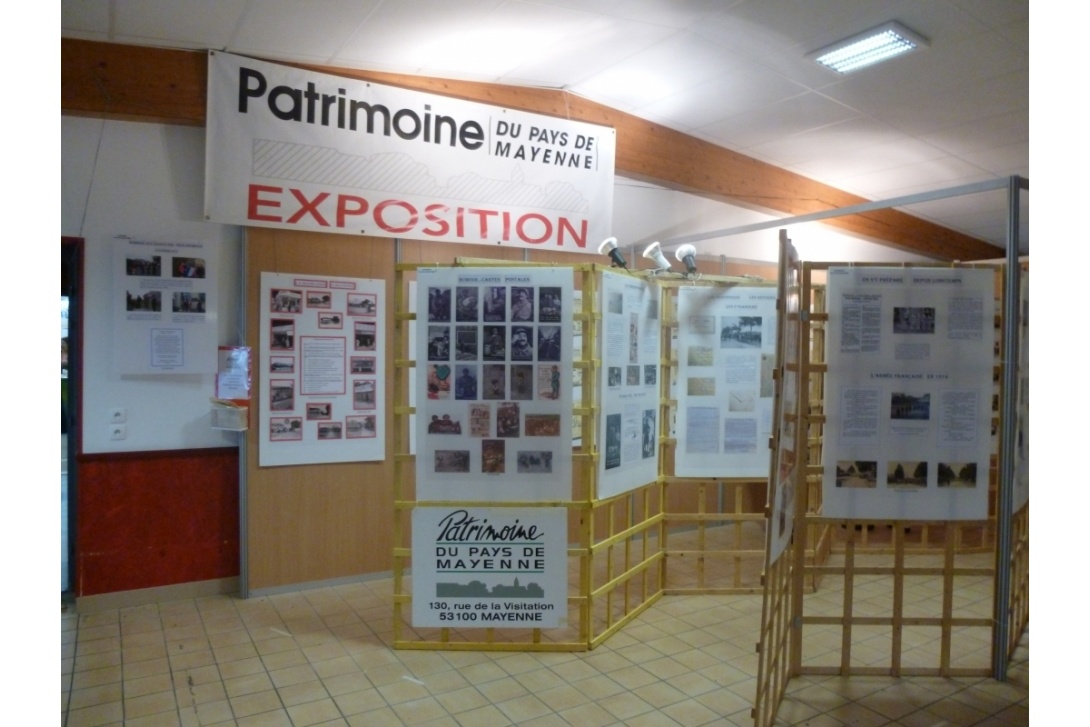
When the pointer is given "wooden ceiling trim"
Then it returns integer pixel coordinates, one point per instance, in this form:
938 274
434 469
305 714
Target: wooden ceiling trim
169 86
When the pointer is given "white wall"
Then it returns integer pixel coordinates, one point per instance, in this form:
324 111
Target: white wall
144 181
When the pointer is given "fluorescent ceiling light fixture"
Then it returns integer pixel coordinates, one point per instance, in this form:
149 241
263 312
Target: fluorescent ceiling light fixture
874 46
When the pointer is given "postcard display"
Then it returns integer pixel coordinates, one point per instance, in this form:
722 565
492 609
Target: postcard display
322 360
908 393
630 345
726 357
493 425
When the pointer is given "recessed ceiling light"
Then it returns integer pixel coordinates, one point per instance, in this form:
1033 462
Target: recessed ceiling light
874 46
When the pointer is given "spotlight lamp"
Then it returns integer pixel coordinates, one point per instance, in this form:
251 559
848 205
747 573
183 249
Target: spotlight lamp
609 247
653 252
686 254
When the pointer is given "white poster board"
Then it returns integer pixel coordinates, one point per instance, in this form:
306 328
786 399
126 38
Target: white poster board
298 149
726 357
322 362
494 384
908 401
787 455
490 567
630 345
166 307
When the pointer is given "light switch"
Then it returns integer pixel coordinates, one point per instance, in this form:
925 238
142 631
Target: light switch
118 431
118 415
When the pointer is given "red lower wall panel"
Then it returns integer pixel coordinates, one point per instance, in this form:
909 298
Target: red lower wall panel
156 519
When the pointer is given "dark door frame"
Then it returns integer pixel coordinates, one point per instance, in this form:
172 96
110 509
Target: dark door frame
72 251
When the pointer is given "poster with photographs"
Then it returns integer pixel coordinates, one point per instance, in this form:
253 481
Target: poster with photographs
726 358
165 308
630 347
321 370
490 567
783 480
494 384
908 401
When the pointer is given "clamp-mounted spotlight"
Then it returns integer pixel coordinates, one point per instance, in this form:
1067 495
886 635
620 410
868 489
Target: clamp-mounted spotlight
653 252
609 247
687 254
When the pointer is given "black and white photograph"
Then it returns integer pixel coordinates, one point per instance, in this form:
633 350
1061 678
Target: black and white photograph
285 429
905 405
907 474
740 331
495 304
522 304
613 441
282 334
362 304
319 410
548 304
613 376
362 364
859 474
632 375
522 382
956 474
495 382
465 382
360 427
548 381
327 319
284 300
650 434
439 304
363 394
438 343
466 304
522 343
548 343
452 460
495 343
364 335
535 462
913 319
319 299
650 374
281 364
281 394
465 343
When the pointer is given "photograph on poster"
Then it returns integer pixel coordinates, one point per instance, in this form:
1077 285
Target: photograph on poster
908 473
362 364
613 441
632 376
548 381
522 343
702 325
480 420
508 417
542 425
363 394
362 304
281 364
913 319
438 343
548 343
283 429
701 356
151 300
319 299
904 405
614 376
330 430
444 424
465 384
452 460
535 462
144 267
549 304
281 395
615 302
319 410
495 343
360 427
185 302
650 433
495 303
439 381
957 474
465 343
364 335
285 301
494 455
495 382
439 304
330 320
466 304
187 267
740 331
522 304
700 386
522 381
859 474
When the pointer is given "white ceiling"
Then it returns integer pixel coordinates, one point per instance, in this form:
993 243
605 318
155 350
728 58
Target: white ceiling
731 72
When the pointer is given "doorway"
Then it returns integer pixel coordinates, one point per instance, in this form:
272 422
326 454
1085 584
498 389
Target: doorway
71 254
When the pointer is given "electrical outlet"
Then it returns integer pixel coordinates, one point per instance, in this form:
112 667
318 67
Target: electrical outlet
118 415
118 431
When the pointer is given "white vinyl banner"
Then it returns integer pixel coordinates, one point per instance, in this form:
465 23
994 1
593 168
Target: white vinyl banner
322 363
726 357
630 346
908 401
494 386
297 149
489 567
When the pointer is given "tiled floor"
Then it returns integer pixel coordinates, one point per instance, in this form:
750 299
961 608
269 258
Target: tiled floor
320 657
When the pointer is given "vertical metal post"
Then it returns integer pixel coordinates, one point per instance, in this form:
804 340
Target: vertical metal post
1005 501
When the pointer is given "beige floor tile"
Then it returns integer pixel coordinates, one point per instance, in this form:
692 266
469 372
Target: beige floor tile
312 713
